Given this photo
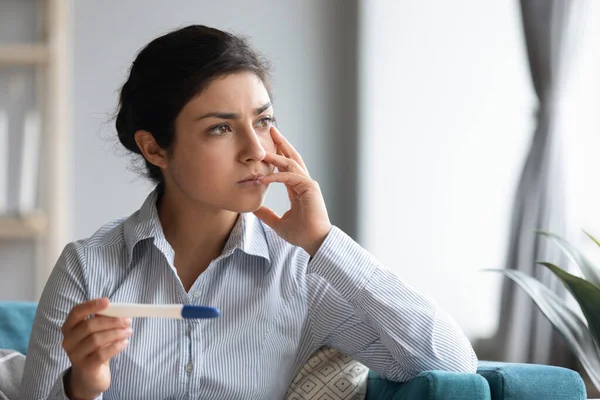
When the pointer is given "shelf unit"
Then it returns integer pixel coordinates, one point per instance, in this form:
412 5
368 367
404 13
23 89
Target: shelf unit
32 226
47 228
23 55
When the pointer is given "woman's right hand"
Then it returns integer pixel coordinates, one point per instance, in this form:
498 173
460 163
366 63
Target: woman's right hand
90 343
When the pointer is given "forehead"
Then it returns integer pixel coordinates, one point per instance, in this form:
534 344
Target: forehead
237 92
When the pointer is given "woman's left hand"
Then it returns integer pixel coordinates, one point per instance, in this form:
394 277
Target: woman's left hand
306 223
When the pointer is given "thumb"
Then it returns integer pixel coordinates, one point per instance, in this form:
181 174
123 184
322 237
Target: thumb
268 216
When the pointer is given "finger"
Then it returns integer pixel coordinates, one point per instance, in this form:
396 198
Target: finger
300 183
268 216
95 325
98 341
283 144
283 163
105 354
286 148
291 193
81 311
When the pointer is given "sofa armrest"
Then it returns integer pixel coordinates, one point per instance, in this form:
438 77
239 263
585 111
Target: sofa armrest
429 385
531 381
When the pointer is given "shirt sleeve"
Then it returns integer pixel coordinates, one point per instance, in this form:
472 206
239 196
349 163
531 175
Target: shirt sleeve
46 361
364 310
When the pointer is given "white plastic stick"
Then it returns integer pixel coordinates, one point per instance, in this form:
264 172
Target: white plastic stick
143 310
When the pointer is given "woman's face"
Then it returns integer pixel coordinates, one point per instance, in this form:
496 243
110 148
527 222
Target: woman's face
221 138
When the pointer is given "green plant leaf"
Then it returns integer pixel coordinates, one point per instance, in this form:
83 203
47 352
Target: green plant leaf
590 271
564 319
586 294
593 238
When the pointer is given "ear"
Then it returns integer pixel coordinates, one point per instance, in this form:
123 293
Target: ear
150 149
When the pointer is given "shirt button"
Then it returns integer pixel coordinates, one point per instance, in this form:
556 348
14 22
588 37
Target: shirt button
189 367
196 294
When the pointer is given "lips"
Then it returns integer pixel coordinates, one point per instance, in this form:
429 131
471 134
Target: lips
251 178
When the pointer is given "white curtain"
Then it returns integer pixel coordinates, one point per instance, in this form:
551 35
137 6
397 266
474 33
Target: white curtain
524 334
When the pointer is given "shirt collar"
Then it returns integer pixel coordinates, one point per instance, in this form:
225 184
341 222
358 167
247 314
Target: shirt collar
248 234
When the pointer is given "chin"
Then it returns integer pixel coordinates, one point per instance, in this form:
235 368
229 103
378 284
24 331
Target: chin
246 204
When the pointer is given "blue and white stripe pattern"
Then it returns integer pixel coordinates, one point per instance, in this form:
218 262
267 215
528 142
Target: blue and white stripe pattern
277 308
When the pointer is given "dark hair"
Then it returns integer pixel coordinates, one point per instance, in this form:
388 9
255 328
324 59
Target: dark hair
169 72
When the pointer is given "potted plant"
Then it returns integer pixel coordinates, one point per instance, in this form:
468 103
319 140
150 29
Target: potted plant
582 335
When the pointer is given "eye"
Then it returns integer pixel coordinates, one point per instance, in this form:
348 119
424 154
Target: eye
265 122
219 130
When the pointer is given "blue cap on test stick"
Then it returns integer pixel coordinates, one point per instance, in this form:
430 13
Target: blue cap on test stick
199 312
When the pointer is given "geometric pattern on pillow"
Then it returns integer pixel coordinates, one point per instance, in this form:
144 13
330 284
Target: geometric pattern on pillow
329 375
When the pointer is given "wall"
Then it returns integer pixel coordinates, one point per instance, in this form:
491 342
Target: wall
446 108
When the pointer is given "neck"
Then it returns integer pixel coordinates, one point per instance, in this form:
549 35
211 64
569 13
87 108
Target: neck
195 231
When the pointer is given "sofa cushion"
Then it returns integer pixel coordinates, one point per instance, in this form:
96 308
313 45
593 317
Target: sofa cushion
510 381
430 385
16 320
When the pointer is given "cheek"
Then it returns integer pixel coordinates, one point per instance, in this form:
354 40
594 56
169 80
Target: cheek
201 175
267 144
209 167
194 162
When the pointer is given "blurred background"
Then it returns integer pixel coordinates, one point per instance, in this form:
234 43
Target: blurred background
417 118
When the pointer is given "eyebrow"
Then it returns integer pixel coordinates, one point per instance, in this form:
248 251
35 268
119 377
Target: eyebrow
226 115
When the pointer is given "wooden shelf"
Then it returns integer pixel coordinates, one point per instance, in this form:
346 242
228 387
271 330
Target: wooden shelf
23 54
23 227
45 232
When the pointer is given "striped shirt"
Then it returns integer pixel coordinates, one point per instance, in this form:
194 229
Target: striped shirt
277 306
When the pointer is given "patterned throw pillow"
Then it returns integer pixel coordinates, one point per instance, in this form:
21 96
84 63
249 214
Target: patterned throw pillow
329 375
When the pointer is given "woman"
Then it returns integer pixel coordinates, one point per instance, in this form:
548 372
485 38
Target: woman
197 108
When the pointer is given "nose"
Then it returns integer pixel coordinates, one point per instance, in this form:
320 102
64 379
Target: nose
252 149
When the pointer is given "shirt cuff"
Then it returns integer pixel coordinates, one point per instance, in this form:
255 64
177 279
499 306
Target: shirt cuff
58 390
343 263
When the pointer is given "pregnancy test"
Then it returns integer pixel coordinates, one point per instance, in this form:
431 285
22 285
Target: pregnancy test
178 311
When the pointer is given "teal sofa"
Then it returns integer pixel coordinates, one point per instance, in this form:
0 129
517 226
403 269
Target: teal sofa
493 380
